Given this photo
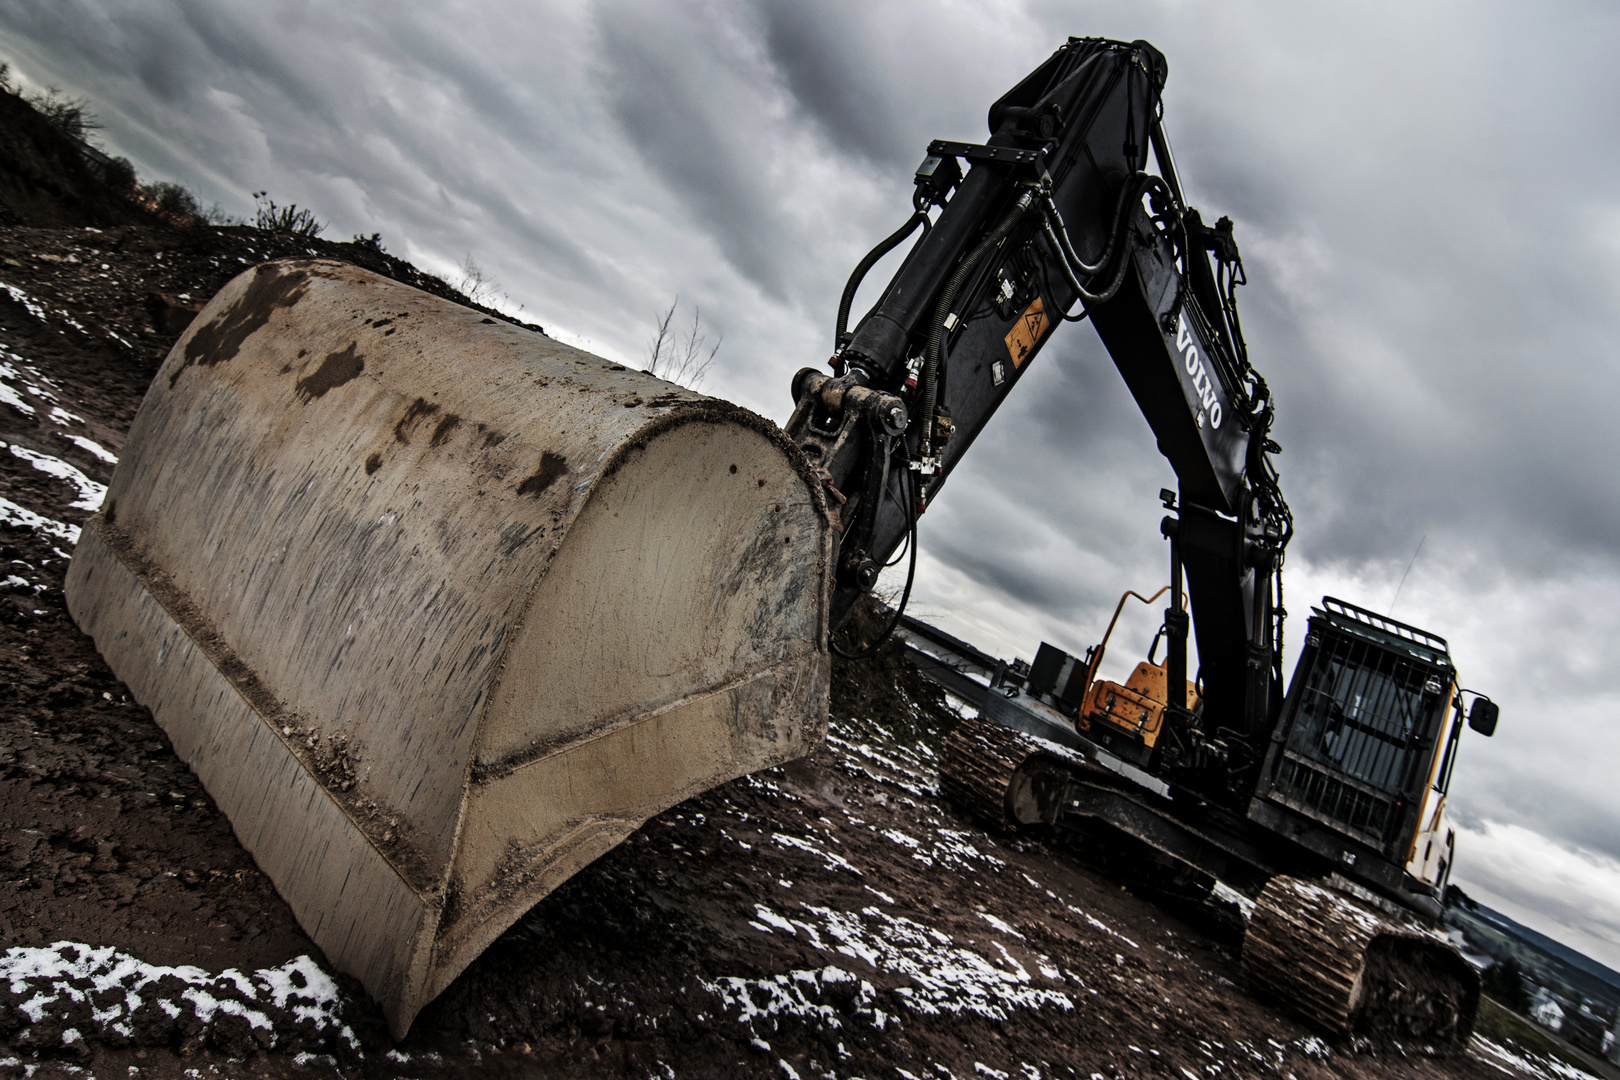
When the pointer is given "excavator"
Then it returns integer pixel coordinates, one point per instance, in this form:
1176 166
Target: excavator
1330 817
440 610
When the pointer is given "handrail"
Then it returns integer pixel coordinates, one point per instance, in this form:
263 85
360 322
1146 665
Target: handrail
1102 647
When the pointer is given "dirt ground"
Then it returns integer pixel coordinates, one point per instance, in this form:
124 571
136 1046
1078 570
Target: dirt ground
830 918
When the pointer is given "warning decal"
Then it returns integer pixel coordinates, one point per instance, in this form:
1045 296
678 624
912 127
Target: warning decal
1026 332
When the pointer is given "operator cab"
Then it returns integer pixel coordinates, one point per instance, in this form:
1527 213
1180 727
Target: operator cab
1365 746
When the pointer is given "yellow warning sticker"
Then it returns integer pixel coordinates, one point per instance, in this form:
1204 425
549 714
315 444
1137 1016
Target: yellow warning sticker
1026 332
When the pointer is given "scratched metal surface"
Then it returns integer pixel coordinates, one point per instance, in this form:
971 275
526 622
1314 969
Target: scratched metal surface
349 495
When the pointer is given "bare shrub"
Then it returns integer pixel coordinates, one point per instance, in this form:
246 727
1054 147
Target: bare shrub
170 200
71 116
677 355
271 217
476 285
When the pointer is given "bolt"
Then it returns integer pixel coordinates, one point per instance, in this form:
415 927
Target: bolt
866 574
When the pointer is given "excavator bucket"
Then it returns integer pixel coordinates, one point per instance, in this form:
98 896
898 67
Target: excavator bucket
440 609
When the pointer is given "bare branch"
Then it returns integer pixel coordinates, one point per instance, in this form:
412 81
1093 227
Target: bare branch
680 356
474 284
662 343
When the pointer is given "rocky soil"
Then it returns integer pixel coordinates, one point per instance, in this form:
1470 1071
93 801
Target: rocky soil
830 918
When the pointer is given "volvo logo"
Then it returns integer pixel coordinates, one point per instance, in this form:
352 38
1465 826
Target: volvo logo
1209 405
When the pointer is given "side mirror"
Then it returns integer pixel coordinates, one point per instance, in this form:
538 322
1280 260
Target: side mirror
1482 716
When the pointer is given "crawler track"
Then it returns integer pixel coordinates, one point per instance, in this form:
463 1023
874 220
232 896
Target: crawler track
981 760
1345 967
1342 965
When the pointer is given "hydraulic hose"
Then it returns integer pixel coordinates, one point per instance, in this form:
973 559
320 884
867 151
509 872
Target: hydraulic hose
1058 239
1074 283
1080 265
942 309
911 572
889 244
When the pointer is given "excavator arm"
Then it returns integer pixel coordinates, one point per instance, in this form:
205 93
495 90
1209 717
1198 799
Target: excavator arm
979 293
1055 219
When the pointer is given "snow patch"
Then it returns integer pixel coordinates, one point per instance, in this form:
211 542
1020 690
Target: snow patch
1104 927
951 849
95 448
773 918
1526 1063
12 514
1004 927
13 582
821 997
82 988
9 396
1225 894
943 977
35 308
833 861
1315 1047
902 839
90 492
911 769
19 377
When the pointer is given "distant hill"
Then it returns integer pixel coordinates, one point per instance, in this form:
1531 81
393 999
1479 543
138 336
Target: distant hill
1548 961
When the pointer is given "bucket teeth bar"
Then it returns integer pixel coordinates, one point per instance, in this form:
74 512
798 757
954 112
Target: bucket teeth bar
1346 967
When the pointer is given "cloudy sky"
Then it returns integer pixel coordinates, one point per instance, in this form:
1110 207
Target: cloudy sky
1424 194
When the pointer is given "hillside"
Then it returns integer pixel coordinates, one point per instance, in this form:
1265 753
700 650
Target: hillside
1550 962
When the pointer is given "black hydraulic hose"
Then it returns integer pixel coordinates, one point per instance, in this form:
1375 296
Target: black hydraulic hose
942 310
906 547
1080 265
1074 283
1057 238
911 574
1049 297
894 239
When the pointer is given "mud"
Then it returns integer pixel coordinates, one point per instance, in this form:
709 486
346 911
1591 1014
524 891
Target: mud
415 411
337 369
551 467
221 338
1413 994
834 917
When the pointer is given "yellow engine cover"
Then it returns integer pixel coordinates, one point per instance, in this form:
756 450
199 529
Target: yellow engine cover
1137 708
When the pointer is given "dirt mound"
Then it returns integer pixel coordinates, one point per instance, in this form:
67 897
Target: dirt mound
887 683
48 179
832 917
